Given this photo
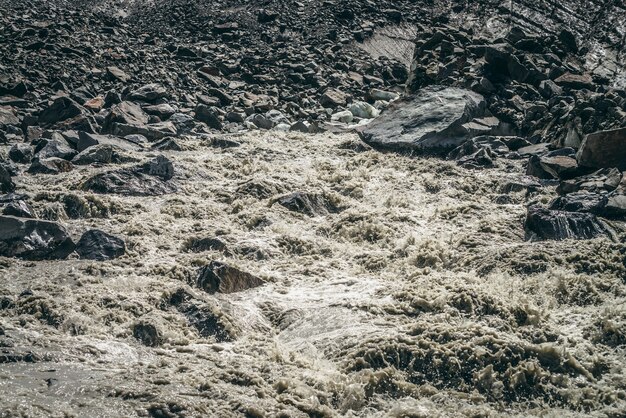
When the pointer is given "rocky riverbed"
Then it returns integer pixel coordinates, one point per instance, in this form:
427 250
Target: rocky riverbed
317 208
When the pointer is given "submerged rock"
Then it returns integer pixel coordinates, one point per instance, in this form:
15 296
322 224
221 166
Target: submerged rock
32 239
545 224
148 334
435 119
98 245
310 204
222 278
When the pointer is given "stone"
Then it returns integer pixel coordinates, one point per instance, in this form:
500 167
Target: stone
8 116
363 110
102 154
209 116
6 182
434 120
49 148
61 109
148 93
219 277
545 224
125 113
128 182
198 245
202 316
344 116
51 165
114 73
86 140
32 239
604 149
601 181
575 81
552 167
98 245
160 166
163 111
147 334
19 208
333 98
388 96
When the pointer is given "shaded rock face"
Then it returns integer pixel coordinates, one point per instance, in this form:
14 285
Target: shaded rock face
545 224
435 119
32 239
20 209
604 149
222 278
98 245
147 334
310 204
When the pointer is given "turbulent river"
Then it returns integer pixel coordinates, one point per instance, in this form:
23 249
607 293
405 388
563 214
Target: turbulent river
418 297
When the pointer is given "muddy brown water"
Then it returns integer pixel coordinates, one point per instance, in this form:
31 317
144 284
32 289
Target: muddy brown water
419 298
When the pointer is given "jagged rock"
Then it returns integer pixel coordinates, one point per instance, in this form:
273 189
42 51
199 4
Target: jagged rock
6 182
333 98
201 316
20 209
51 165
148 93
114 73
222 278
603 180
21 153
54 148
163 111
125 113
98 245
149 179
8 116
552 167
574 81
32 239
545 224
580 202
61 109
604 149
209 116
433 120
95 154
197 245
86 140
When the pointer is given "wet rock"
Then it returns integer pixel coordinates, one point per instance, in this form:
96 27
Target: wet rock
20 209
160 166
32 239
198 245
61 109
552 167
86 140
52 165
603 180
98 245
219 277
377 94
98 154
580 202
147 334
604 149
21 153
128 182
433 120
545 224
310 204
126 114
203 317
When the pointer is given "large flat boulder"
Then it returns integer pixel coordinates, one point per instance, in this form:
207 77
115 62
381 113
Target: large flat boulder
434 120
33 239
604 149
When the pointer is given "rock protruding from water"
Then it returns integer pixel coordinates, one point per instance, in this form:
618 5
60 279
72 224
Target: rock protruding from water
434 120
98 245
33 239
310 204
148 334
219 277
545 224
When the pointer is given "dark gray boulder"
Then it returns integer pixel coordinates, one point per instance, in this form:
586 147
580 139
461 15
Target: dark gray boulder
62 108
19 208
546 224
33 239
98 245
310 204
219 277
6 182
21 153
434 120
604 149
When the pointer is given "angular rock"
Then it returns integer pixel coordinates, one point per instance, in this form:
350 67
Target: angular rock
545 224
6 182
222 278
61 109
160 166
209 116
114 73
20 209
125 113
310 204
552 167
52 165
604 149
98 245
148 334
86 140
333 98
32 239
433 120
149 93
602 181
102 154
54 148
8 116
